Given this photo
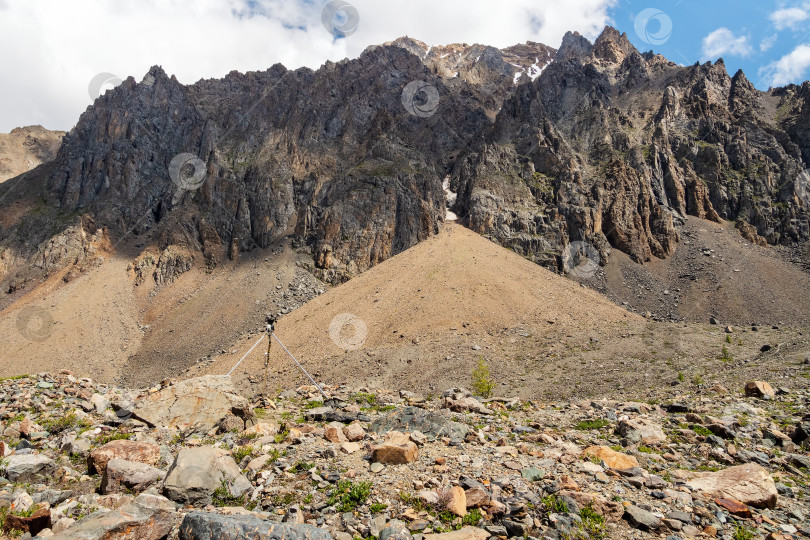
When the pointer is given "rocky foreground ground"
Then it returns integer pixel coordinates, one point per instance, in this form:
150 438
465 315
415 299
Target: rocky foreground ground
195 460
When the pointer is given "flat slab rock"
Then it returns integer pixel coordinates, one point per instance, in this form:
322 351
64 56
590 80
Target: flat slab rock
210 526
432 424
466 533
749 484
148 517
194 405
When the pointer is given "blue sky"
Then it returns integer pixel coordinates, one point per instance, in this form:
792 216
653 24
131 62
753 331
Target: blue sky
749 35
61 47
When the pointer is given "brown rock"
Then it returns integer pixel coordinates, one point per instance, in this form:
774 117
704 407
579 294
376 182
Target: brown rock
735 507
749 484
456 501
613 459
334 433
710 530
476 497
39 520
396 449
758 389
120 475
139 452
354 432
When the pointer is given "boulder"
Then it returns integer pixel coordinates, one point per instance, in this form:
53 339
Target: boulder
396 449
641 519
611 458
354 432
28 467
261 429
749 484
121 475
137 451
641 430
759 389
194 406
456 501
461 400
147 517
210 526
465 533
433 424
334 433
197 472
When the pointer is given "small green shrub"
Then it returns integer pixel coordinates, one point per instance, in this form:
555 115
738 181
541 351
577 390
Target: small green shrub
598 423
743 532
482 380
554 504
376 508
593 523
347 496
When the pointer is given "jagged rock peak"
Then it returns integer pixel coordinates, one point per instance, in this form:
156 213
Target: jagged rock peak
574 44
612 46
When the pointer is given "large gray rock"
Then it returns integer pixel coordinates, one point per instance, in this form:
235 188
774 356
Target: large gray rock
462 400
28 467
641 519
197 472
432 424
121 475
210 526
148 517
194 405
641 430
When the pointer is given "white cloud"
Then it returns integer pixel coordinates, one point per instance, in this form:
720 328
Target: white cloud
767 43
723 41
790 17
791 68
59 46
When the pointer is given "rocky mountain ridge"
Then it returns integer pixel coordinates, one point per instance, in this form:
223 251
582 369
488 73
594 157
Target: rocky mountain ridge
607 145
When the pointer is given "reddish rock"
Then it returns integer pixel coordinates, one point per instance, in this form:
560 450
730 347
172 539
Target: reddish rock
334 433
41 519
139 452
735 507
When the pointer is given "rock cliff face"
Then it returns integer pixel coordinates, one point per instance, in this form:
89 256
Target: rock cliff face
593 142
615 147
